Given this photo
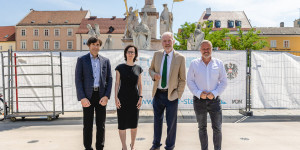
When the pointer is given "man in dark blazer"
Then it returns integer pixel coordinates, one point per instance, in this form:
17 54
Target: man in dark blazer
93 85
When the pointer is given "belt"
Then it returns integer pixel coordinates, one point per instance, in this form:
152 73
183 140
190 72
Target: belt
162 90
95 88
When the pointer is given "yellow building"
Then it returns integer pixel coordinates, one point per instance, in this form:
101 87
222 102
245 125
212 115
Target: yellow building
7 38
282 38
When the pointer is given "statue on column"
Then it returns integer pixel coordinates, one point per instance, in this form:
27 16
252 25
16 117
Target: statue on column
166 20
108 43
199 37
93 32
132 22
148 2
142 34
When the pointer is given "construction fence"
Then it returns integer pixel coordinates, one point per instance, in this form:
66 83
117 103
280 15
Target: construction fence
268 80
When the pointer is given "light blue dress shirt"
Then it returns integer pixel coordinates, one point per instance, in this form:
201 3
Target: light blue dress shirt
96 69
209 78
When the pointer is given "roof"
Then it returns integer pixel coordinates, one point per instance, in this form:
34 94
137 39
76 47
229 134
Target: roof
224 16
53 18
7 33
279 30
118 24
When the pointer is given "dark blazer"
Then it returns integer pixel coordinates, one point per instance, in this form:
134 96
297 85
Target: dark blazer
84 79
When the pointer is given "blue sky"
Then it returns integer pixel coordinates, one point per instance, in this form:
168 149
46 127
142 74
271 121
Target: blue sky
262 13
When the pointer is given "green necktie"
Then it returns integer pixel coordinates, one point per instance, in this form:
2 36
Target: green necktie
164 73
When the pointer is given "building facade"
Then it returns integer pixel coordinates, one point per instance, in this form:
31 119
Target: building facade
49 30
7 38
281 38
225 19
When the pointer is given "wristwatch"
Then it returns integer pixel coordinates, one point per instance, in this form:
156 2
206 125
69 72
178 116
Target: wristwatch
141 96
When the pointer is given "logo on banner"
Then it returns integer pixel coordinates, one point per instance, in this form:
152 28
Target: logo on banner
237 101
231 70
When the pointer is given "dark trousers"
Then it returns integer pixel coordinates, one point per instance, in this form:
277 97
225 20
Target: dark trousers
88 117
160 103
213 107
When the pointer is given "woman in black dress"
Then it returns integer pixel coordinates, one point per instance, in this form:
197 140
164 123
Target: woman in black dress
128 95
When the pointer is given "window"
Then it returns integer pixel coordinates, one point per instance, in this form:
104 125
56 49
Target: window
0 47
46 44
84 41
238 23
111 29
273 43
56 45
35 44
218 24
23 44
46 32
36 32
230 24
56 32
286 44
70 45
70 32
23 32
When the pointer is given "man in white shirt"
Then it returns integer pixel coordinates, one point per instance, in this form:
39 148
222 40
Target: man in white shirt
207 79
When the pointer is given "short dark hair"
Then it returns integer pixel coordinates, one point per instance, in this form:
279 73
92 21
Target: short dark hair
135 49
93 40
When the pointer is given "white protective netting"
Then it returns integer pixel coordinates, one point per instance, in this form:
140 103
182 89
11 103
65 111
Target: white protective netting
275 80
234 96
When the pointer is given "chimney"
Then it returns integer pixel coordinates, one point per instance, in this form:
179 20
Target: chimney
281 24
208 12
113 17
31 9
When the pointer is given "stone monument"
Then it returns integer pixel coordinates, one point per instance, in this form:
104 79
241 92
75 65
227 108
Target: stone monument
108 43
199 37
166 20
151 23
142 34
93 32
132 22
191 42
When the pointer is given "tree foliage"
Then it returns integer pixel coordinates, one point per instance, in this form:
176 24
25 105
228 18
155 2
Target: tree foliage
182 35
250 40
222 39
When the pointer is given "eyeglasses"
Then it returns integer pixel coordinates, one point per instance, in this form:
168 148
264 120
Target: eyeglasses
130 52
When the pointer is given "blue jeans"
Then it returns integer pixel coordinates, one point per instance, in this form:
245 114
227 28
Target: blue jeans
160 103
213 107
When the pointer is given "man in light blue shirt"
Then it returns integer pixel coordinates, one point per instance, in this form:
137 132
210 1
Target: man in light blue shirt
207 79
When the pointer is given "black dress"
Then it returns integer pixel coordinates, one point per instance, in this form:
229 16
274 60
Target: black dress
128 95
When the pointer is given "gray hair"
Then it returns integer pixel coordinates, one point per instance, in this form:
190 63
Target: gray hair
207 41
167 33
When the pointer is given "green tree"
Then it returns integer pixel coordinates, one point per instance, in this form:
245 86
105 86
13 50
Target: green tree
250 40
217 38
182 36
242 41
